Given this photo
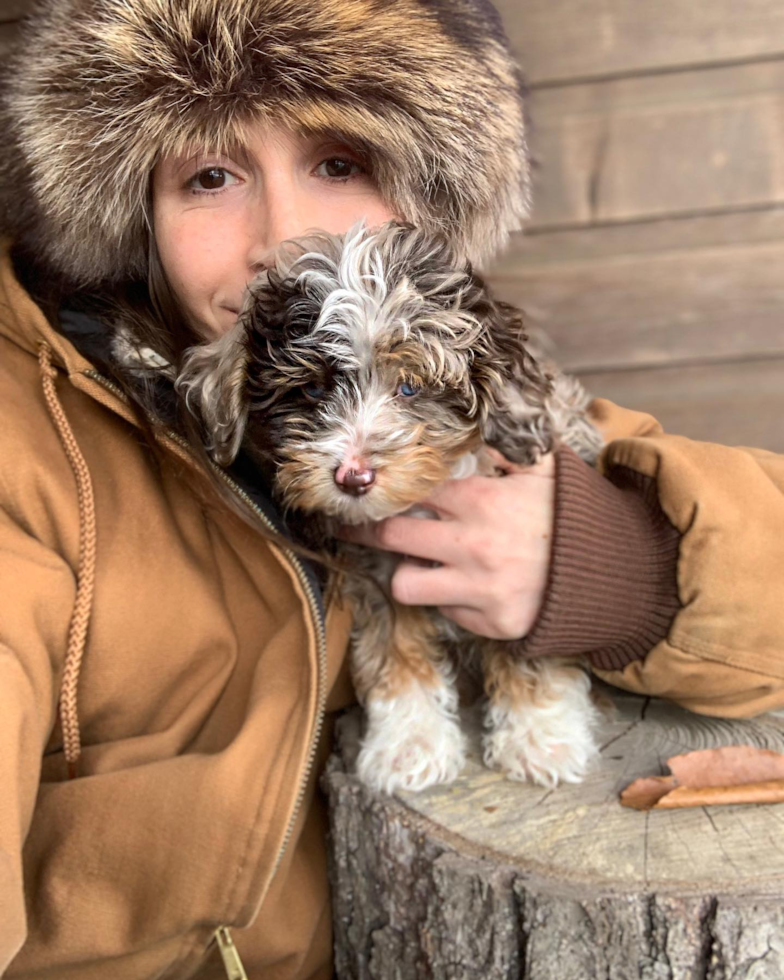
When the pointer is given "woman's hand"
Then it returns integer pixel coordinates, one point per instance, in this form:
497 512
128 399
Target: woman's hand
492 544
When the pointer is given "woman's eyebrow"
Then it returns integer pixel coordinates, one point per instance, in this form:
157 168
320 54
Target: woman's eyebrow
189 158
239 153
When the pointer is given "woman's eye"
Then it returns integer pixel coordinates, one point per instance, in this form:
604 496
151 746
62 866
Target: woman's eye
211 179
314 392
407 389
339 168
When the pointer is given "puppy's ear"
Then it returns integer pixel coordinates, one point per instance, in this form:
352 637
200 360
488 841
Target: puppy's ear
511 386
212 382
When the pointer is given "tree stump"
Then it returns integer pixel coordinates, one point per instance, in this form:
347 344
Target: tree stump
486 878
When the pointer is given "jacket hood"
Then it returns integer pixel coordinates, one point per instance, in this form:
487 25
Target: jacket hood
428 90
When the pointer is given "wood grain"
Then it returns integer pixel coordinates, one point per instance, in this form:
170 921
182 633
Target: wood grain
735 404
486 879
582 835
601 241
639 147
648 294
590 38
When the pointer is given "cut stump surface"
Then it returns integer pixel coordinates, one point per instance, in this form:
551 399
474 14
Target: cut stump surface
487 878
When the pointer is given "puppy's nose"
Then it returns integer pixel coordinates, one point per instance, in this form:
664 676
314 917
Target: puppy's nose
354 478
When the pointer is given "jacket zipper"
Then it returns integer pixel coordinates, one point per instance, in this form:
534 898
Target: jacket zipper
222 935
232 963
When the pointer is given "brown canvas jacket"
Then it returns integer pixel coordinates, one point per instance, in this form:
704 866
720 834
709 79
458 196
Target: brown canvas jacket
201 702
204 681
724 654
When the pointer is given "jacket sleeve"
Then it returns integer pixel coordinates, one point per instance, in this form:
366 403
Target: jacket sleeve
723 653
38 590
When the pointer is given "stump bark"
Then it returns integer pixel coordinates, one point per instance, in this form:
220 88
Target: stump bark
486 878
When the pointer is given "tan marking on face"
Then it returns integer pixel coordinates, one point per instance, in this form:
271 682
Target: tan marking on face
402 479
414 474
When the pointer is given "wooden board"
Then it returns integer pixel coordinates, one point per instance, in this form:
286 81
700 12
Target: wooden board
590 38
639 147
601 241
594 37
735 404
652 293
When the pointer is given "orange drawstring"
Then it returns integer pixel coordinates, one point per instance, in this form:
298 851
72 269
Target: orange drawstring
77 633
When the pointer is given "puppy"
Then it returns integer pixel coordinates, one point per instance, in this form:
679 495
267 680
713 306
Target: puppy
364 371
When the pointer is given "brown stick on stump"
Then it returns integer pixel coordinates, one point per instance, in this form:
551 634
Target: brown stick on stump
488 879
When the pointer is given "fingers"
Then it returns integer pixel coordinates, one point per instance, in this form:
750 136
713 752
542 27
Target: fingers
429 539
470 619
457 598
543 467
455 497
460 498
501 463
413 585
479 621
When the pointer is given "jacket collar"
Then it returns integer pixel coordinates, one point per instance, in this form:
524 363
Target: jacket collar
22 321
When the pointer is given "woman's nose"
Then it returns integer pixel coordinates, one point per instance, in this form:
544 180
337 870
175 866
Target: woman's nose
284 213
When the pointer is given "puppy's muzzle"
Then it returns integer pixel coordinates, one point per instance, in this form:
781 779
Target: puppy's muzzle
354 481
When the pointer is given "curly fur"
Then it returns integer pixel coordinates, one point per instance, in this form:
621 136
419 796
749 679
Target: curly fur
426 90
379 350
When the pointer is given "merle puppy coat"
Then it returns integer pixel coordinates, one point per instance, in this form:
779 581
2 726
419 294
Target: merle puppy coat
364 371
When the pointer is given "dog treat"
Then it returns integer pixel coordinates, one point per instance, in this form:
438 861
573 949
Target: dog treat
730 774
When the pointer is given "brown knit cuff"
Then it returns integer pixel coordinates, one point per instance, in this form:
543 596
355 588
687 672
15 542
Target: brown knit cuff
612 588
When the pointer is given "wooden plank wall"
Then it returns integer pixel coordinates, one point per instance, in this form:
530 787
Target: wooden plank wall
655 251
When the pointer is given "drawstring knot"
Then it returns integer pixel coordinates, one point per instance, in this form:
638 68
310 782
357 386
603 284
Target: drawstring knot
85 576
45 361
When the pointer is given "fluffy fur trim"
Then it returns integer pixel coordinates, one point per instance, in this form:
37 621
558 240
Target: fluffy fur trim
428 89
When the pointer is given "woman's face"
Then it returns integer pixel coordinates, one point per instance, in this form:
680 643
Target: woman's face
219 219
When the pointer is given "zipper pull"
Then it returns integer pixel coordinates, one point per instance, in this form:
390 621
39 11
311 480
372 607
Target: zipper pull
232 963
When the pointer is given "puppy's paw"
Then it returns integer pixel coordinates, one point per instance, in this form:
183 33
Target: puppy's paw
545 756
411 757
547 743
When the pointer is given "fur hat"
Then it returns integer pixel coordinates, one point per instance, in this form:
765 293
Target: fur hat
427 89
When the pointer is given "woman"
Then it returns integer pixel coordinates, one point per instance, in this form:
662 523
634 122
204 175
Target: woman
178 665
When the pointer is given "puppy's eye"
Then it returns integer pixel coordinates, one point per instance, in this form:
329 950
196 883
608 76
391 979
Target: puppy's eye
314 392
406 389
